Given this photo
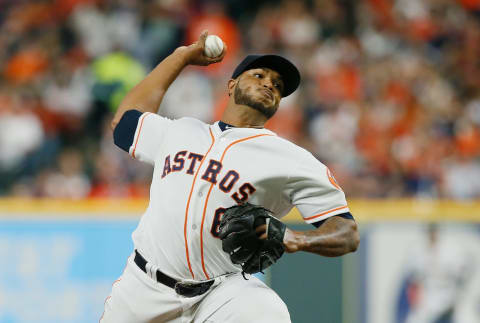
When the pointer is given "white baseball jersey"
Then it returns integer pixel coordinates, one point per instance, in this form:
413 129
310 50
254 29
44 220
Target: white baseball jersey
199 170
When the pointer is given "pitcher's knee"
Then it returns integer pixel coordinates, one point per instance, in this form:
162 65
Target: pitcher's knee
263 305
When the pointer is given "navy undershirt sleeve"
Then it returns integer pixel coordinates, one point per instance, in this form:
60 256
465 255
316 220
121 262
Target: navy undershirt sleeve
124 132
346 215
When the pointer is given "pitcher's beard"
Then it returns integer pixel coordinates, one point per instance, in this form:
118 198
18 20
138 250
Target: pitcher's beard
242 98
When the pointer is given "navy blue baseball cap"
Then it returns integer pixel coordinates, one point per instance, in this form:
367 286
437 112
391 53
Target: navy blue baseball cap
288 71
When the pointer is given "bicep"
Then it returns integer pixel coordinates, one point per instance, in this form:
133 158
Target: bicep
314 191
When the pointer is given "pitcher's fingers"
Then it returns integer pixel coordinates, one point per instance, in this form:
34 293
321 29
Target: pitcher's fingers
203 37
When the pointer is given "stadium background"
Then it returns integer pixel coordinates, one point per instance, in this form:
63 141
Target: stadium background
389 100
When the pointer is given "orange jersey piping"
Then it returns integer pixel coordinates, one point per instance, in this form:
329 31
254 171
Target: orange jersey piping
188 204
326 212
138 136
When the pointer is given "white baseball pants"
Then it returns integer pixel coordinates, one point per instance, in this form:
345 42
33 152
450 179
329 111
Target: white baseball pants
137 298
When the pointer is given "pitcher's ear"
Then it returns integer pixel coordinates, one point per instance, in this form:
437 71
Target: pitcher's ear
231 86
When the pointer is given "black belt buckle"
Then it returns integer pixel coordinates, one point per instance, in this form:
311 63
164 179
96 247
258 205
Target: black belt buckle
192 290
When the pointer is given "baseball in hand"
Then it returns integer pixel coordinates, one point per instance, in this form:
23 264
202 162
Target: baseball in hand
213 46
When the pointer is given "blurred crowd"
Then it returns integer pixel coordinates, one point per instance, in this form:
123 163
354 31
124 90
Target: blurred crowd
389 99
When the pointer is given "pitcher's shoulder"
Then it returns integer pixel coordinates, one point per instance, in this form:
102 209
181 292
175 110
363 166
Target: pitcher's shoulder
290 149
190 123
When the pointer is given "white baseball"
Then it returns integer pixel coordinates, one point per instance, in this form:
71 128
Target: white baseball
213 46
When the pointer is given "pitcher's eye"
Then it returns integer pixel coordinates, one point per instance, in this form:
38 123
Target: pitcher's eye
258 75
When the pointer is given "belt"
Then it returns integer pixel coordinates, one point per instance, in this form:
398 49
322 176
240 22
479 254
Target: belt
181 288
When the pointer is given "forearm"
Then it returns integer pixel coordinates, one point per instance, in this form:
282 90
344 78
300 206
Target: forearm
336 237
147 95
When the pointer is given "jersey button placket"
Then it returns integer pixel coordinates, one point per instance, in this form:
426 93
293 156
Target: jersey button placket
202 196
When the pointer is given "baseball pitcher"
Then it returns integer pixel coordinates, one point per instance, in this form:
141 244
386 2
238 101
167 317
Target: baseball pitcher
217 196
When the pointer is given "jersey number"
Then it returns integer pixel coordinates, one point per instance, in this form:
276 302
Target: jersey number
216 221
241 196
